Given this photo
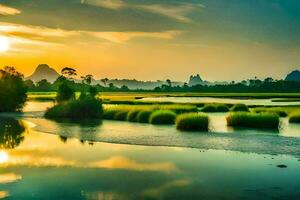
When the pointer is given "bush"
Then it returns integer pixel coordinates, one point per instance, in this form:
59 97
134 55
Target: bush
162 117
240 108
253 120
192 122
132 115
88 108
295 118
143 116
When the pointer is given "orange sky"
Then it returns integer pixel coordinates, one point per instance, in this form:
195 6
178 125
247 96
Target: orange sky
183 40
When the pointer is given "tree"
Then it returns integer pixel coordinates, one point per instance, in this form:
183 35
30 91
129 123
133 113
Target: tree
104 81
68 72
169 83
12 90
64 93
87 79
43 85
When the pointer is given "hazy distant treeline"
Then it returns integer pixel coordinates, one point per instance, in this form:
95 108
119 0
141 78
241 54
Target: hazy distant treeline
279 86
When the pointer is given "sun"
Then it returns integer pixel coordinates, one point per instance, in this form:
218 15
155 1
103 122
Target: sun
4 44
3 157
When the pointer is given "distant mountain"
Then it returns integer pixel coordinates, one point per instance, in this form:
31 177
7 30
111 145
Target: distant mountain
195 80
43 71
293 76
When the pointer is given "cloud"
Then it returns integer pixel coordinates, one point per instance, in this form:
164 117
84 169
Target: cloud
38 33
9 178
119 162
6 10
110 4
178 12
120 37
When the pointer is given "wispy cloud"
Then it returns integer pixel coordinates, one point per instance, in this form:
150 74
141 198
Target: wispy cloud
121 37
37 33
6 10
178 12
110 4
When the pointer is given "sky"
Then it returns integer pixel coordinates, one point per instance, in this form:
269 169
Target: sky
153 39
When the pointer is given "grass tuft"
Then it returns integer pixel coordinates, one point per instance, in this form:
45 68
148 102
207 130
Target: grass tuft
144 116
215 108
162 117
132 115
254 120
240 108
295 117
121 115
192 122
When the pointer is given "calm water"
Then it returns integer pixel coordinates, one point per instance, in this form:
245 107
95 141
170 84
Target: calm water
261 102
72 162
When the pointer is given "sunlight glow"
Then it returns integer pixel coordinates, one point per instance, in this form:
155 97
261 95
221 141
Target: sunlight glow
4 44
3 157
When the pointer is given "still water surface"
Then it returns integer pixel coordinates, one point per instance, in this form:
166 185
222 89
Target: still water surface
72 162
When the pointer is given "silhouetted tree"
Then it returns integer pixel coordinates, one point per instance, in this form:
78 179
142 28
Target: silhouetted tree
68 72
64 93
12 90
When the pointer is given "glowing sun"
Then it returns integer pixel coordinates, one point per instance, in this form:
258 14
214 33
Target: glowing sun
4 44
3 157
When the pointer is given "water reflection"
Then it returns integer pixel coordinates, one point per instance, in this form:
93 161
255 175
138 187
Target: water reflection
11 133
43 166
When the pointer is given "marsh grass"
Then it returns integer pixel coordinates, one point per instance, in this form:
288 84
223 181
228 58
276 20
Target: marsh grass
143 116
192 122
162 117
121 115
253 120
240 108
295 118
132 115
279 111
215 108
80 109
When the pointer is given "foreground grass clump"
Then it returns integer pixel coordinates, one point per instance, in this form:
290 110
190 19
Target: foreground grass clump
295 118
144 116
215 108
132 115
240 108
162 117
121 115
192 122
253 120
87 108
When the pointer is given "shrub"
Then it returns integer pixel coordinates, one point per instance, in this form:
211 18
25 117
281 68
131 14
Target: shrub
240 108
295 117
162 117
253 120
192 122
143 116
88 108
132 115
